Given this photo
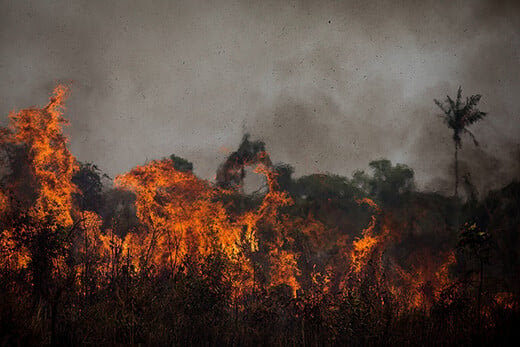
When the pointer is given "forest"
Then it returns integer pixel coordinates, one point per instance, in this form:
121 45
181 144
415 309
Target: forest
159 256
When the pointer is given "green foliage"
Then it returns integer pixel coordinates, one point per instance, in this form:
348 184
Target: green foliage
389 184
326 186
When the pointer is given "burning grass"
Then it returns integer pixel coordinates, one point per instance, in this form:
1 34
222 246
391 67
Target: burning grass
164 257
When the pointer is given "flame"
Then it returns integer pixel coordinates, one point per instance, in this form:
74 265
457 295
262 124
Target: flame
181 216
506 301
93 250
41 131
364 246
13 256
284 269
183 219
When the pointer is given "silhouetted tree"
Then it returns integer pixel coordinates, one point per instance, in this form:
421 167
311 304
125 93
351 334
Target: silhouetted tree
232 172
181 164
89 180
284 176
458 115
478 243
388 184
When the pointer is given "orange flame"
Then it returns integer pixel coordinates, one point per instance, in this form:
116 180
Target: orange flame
41 131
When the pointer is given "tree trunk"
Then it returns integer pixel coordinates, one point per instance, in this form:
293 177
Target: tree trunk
87 268
54 316
481 280
303 331
456 170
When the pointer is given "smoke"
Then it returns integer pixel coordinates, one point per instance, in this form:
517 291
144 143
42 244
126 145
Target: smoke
328 85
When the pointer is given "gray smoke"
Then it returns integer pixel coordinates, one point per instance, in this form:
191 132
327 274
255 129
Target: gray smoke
328 85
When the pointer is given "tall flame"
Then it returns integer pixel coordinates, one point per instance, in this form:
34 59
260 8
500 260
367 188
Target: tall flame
41 131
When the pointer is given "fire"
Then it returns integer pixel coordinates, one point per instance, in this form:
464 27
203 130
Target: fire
506 300
40 130
180 221
363 247
424 284
180 214
39 194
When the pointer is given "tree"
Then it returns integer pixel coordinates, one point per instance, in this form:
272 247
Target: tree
459 116
389 183
231 173
89 180
478 243
181 164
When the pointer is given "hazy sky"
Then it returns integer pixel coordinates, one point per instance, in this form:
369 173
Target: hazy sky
328 85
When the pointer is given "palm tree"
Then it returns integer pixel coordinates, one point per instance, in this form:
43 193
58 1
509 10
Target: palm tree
458 116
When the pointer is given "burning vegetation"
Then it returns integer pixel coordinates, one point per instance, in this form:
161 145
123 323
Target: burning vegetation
160 256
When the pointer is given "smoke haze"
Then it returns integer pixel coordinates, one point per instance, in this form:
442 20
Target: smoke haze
328 85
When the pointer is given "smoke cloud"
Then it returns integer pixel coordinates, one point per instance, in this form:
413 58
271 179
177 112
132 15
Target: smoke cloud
328 85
